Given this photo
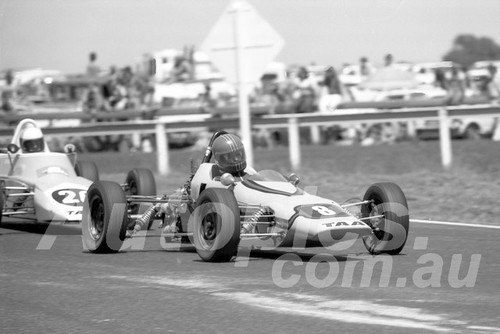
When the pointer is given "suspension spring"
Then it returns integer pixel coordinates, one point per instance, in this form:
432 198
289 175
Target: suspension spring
250 224
146 218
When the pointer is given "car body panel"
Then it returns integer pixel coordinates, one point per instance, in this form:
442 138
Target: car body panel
300 216
58 193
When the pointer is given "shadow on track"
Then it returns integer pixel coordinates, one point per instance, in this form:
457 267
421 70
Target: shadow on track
40 228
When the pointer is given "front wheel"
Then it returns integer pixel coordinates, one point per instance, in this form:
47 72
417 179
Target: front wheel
141 181
216 230
390 222
104 219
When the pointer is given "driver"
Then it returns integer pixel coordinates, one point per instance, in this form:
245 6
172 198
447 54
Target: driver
32 140
229 154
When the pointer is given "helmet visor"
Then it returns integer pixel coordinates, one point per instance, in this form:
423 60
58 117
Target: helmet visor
33 145
232 158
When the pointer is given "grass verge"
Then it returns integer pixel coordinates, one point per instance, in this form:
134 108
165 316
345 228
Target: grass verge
468 192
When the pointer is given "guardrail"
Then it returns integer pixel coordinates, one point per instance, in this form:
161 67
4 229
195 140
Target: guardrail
161 126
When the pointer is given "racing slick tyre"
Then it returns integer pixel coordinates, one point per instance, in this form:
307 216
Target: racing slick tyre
391 218
140 181
88 170
216 225
104 219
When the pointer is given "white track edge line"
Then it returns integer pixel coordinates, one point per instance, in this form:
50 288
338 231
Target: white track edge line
422 221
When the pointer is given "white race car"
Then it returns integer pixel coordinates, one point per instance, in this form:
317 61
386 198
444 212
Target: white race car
44 186
215 210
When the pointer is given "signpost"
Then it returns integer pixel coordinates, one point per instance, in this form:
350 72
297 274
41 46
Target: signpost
240 45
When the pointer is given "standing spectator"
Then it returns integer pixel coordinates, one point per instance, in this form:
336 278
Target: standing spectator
388 60
440 79
182 70
93 69
144 89
305 94
332 91
207 101
492 89
108 88
189 58
8 93
287 88
93 101
365 68
456 87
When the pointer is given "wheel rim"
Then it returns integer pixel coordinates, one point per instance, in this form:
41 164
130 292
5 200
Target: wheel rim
132 187
132 190
208 228
374 211
380 228
378 223
96 226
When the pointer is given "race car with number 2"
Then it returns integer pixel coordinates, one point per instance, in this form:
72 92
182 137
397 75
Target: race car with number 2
43 186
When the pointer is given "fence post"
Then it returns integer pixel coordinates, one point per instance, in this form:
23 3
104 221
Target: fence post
315 134
445 138
411 130
162 149
136 136
496 130
294 142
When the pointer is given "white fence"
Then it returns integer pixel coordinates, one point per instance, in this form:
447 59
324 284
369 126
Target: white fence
292 122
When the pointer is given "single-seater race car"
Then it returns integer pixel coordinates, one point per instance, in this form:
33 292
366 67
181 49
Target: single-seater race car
43 186
215 210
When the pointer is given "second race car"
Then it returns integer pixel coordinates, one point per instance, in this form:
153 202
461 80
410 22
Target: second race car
43 186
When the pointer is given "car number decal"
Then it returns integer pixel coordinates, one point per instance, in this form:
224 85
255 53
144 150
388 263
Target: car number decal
323 210
74 197
317 211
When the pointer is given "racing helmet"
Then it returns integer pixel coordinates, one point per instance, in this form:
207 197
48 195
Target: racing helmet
32 140
229 153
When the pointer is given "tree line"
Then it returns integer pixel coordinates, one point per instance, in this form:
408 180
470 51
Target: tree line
467 49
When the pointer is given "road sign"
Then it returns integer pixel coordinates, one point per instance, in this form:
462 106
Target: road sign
240 26
240 45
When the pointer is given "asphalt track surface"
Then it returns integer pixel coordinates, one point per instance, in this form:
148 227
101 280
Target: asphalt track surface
48 284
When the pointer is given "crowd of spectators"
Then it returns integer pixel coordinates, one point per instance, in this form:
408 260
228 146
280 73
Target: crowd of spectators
304 89
324 92
301 89
119 89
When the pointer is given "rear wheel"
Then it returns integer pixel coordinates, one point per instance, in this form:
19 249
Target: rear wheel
104 220
88 170
140 181
216 230
390 221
